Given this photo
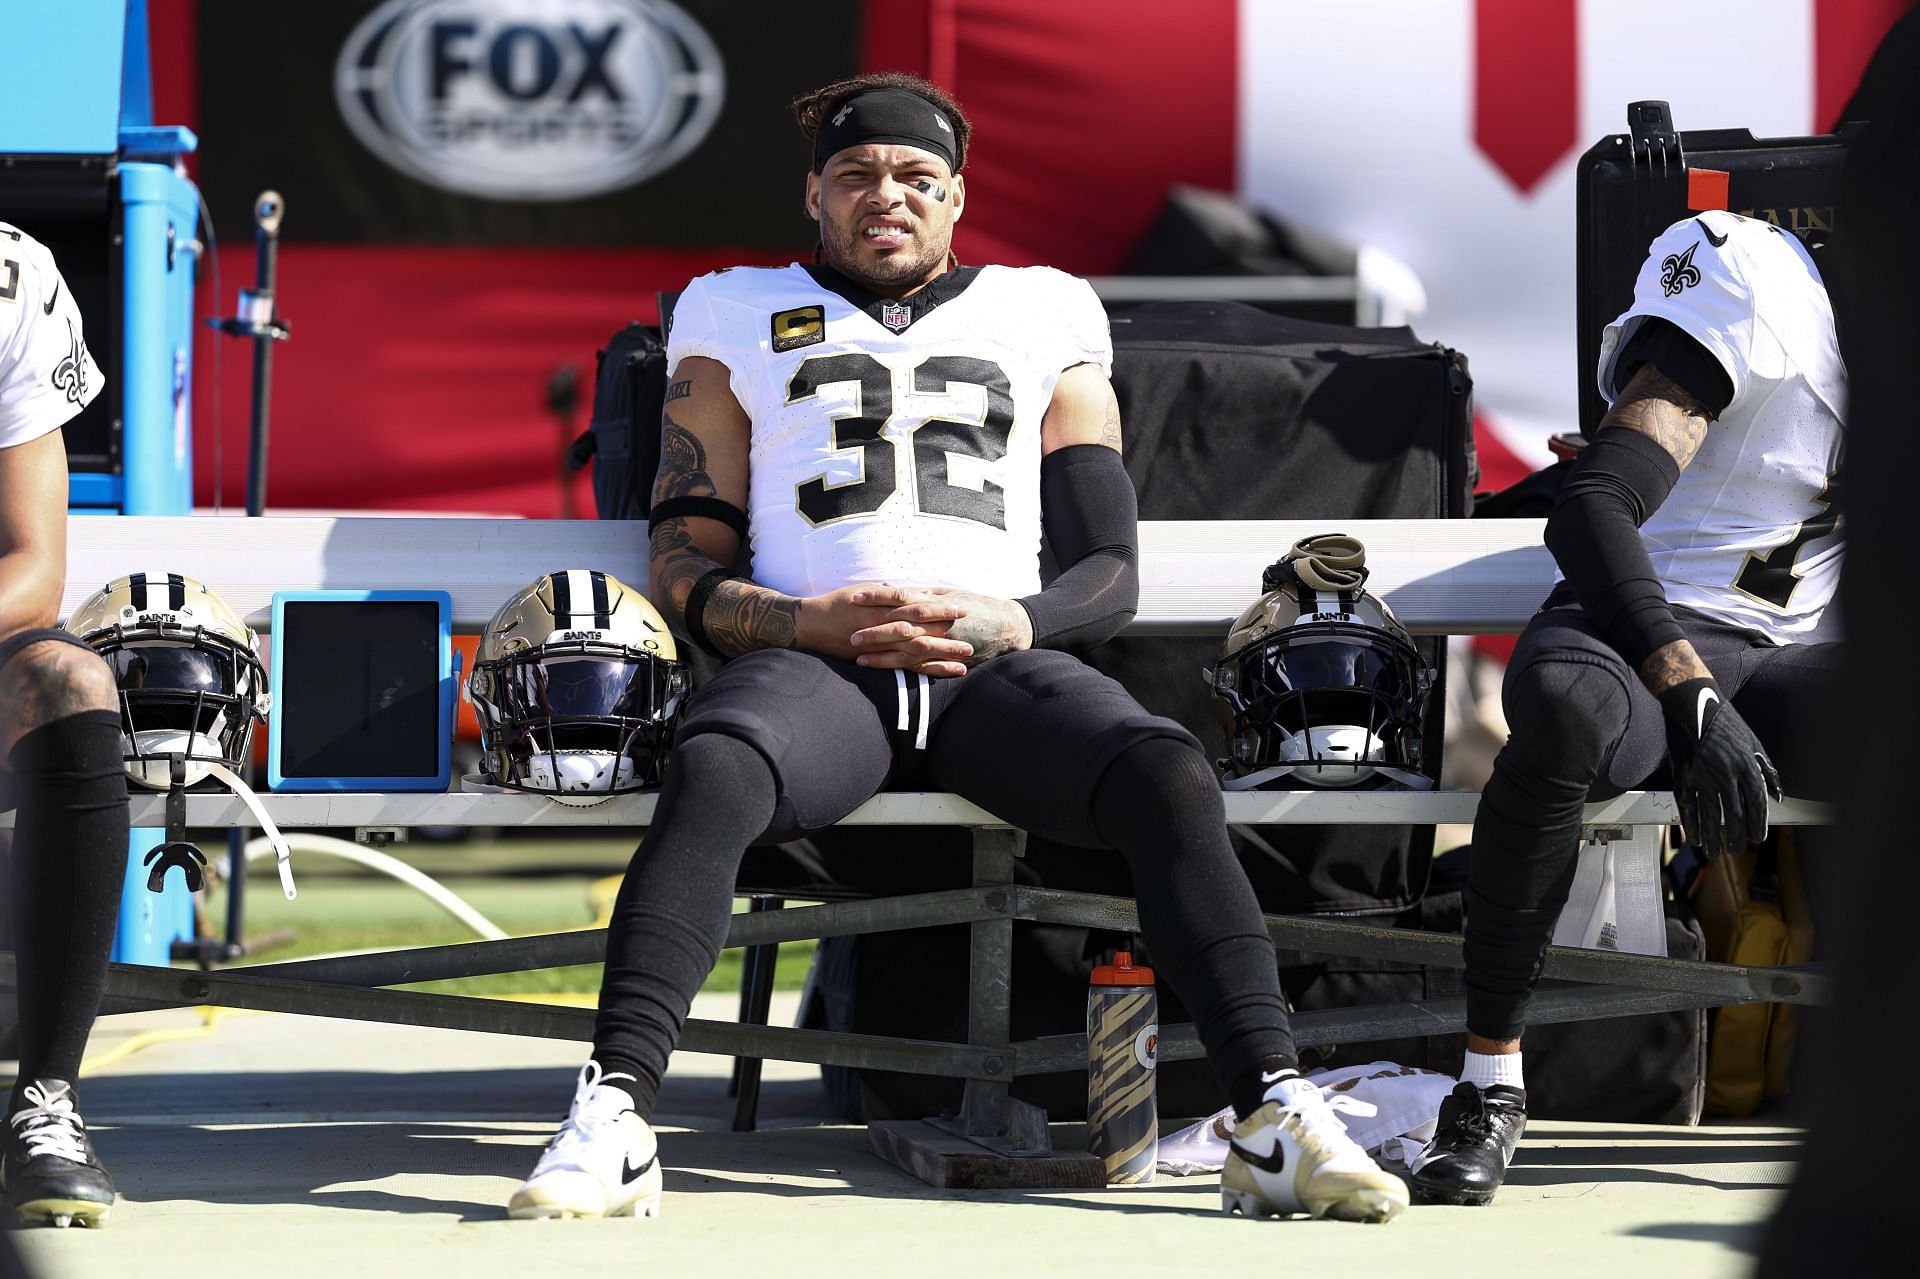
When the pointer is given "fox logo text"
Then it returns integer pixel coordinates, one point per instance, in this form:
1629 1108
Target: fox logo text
529 99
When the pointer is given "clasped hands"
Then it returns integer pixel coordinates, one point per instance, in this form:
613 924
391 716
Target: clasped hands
927 630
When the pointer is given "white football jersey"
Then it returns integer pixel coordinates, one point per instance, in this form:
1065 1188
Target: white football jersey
1751 533
46 373
893 441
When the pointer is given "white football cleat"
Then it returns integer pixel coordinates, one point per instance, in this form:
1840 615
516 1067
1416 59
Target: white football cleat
604 1161
1293 1155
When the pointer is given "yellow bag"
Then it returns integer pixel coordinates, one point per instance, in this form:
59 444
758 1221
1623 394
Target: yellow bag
1757 924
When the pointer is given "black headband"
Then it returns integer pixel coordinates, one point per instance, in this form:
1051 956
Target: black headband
885 115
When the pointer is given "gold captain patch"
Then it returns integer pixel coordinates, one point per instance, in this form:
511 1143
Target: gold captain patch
803 326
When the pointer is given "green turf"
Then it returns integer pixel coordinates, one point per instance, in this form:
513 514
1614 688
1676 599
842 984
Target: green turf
522 885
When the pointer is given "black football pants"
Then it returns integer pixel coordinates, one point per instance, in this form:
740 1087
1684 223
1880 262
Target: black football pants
783 742
1582 727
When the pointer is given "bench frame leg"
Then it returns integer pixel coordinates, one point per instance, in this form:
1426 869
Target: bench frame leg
996 1142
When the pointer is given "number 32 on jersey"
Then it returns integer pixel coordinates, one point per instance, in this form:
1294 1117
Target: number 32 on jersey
932 443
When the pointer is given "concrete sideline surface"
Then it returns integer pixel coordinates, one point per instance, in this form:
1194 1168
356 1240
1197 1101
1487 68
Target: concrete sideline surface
297 1146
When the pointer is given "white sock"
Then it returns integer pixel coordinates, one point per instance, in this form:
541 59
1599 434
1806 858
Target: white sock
1487 1069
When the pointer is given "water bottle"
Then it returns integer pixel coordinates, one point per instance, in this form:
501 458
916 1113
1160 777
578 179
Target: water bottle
1123 1039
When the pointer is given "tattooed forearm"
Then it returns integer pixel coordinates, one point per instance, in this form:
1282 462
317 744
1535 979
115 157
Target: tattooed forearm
1661 409
677 564
679 390
1672 664
741 617
683 463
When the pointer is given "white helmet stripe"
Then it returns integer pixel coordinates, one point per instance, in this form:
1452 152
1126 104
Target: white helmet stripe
580 594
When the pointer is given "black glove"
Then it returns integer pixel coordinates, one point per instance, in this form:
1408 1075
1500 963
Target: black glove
1721 774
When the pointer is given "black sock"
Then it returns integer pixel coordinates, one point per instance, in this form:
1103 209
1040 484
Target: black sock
1159 805
676 904
69 862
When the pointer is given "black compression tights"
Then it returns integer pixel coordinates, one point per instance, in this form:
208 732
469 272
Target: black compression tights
675 905
69 860
1158 803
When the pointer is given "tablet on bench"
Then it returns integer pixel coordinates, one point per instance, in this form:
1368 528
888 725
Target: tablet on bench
363 691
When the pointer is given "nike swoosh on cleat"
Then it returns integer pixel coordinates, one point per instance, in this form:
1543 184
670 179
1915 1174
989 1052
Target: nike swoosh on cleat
629 1174
53 297
1275 1163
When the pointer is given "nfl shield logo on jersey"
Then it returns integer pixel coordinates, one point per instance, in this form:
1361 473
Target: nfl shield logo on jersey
896 315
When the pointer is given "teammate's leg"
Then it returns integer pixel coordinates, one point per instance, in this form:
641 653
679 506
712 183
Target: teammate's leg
61 738
778 743
1580 723
1053 746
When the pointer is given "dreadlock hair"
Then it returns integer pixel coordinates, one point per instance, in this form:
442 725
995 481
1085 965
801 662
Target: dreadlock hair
813 108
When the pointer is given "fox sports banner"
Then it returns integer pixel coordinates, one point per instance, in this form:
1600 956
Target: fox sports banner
514 121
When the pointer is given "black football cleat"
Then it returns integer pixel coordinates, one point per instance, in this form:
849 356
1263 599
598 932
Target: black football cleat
48 1167
1467 1159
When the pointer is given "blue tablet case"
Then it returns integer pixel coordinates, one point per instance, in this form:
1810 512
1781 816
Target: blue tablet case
340 704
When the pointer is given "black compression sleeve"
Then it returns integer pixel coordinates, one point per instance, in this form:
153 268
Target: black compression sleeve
1594 534
1090 517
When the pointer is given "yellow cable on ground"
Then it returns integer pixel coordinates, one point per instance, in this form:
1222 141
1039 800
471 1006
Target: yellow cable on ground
600 896
148 1038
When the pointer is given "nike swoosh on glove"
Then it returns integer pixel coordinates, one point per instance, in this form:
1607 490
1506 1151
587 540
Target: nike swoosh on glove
1721 774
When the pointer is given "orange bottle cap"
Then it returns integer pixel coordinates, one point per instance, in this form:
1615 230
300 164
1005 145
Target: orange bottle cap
1122 972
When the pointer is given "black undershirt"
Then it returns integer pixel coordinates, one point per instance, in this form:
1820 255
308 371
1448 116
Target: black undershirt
1680 358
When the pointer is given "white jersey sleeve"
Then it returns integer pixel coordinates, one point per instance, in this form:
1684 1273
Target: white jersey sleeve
46 373
1089 339
1701 287
691 329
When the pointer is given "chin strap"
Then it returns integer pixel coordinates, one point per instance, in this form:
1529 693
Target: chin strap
282 854
1329 562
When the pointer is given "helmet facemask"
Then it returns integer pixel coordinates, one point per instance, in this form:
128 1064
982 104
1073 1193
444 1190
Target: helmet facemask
578 717
1329 704
185 692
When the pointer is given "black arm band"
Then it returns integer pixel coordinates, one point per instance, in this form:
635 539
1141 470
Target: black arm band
709 507
1594 534
697 606
1090 518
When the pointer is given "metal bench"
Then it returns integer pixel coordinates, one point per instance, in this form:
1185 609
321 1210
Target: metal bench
1441 577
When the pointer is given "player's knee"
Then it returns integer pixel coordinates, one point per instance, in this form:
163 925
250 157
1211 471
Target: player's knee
1563 712
52 680
1168 769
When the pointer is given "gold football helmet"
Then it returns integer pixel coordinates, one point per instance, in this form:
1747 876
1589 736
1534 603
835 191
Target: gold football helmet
188 670
578 685
1318 683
